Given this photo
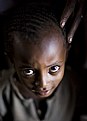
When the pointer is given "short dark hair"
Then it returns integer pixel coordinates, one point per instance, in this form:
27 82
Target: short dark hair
30 20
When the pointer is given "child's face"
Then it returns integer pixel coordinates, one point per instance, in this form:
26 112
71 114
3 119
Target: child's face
40 67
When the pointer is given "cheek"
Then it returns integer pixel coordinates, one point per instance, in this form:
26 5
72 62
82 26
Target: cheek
58 78
27 81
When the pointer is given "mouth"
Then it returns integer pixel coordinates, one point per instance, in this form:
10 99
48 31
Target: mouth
42 93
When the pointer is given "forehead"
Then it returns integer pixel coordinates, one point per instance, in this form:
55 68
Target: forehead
43 40
46 49
39 37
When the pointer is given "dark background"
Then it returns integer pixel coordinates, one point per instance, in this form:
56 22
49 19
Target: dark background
77 55
77 58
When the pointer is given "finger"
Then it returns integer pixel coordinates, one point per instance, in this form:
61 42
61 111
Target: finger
75 25
70 5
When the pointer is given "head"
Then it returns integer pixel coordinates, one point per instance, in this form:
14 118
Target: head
37 48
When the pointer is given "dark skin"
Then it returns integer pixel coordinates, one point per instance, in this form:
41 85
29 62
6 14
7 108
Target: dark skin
40 67
68 11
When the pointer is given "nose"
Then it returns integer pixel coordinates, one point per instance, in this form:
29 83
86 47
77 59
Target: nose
42 81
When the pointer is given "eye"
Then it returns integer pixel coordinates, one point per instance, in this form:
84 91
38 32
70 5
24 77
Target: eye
54 69
28 72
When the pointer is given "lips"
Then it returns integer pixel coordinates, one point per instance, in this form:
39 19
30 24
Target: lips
42 93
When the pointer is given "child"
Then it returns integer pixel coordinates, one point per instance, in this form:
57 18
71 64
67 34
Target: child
37 89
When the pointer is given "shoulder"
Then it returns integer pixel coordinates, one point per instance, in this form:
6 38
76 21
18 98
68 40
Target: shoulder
71 84
71 77
4 90
5 76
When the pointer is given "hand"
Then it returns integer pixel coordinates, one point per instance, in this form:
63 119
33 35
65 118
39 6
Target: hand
69 9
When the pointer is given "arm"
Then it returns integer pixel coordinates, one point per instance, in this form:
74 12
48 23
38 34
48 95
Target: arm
71 6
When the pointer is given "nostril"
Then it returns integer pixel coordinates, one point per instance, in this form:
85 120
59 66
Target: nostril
43 89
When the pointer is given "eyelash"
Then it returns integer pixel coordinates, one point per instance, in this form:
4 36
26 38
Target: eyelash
31 72
26 72
54 69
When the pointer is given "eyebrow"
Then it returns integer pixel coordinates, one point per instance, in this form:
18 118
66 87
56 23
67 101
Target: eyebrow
30 65
55 63
25 66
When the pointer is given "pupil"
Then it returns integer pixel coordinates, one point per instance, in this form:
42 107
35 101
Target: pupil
54 67
28 71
